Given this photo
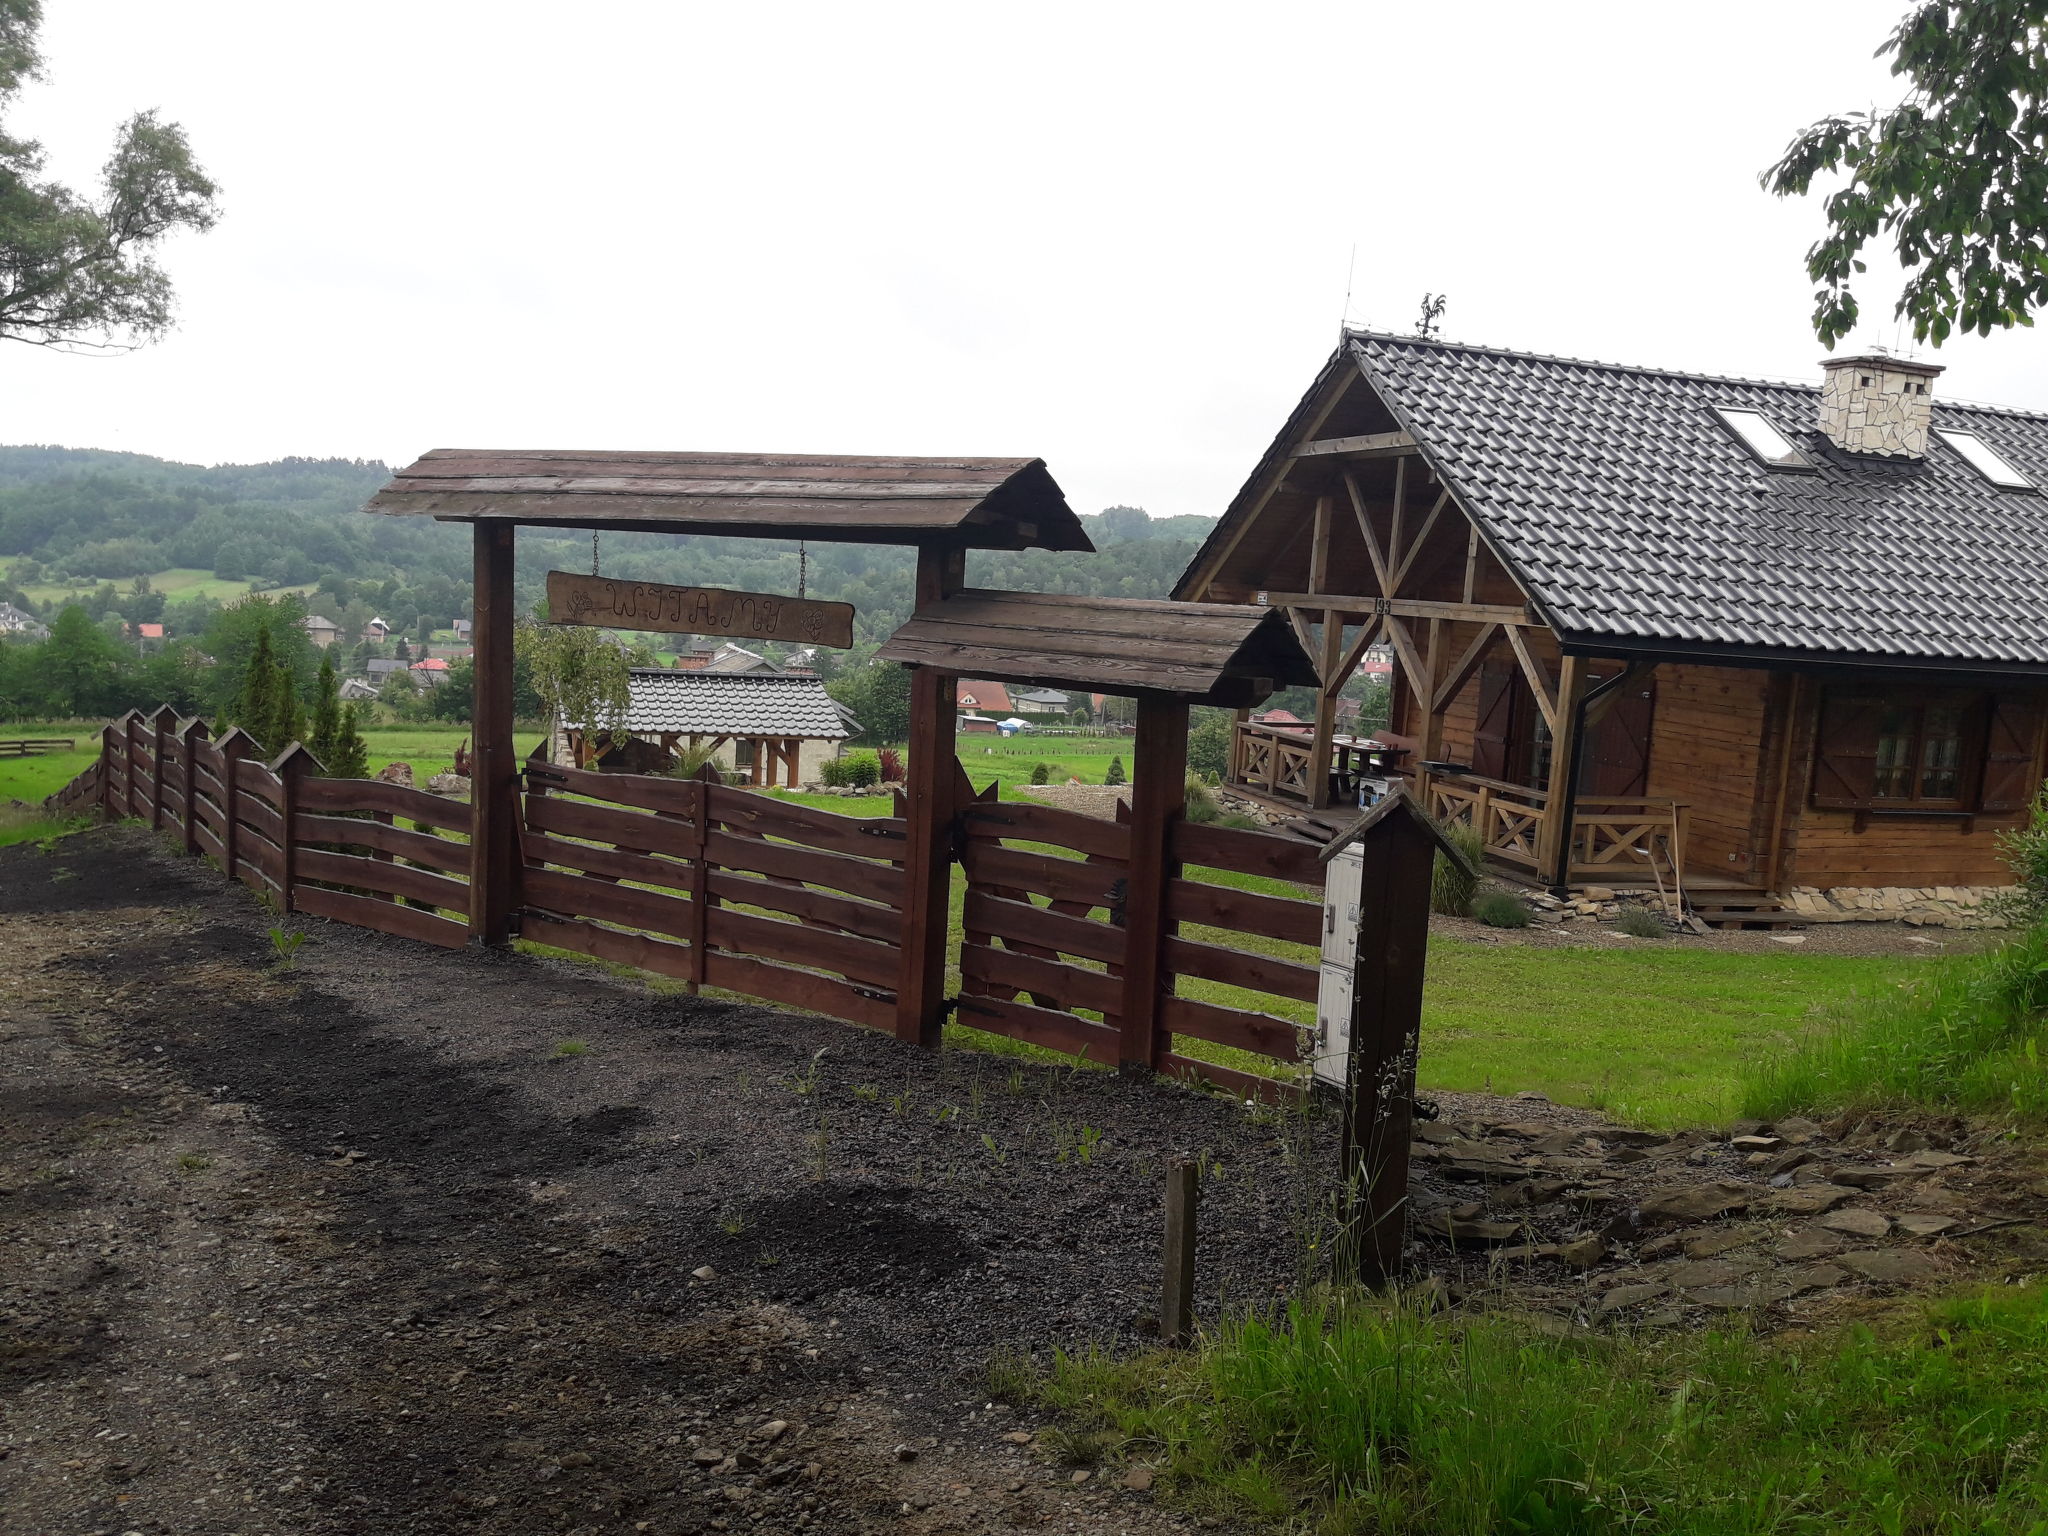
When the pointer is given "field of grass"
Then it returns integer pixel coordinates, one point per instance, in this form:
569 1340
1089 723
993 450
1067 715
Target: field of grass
35 779
178 584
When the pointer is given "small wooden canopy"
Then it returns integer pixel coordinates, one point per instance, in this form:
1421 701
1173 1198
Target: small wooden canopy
976 503
1202 653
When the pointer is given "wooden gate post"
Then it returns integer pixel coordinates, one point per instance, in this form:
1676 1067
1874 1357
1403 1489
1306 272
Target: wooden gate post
163 728
1397 846
189 742
494 862
131 738
233 746
1159 778
928 832
293 764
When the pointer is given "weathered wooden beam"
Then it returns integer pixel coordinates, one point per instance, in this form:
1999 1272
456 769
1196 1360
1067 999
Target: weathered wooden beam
1367 633
1412 666
1277 476
1328 660
1319 547
1466 664
1177 1283
494 768
1539 683
1409 607
1407 561
928 842
1380 568
1159 775
1567 731
1373 445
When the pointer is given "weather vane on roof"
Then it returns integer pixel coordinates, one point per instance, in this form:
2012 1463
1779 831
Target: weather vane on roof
1432 311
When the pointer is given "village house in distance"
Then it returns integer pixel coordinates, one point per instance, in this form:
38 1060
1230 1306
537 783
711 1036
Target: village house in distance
1774 639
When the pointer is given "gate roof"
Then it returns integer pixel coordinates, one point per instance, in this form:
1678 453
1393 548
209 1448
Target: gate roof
979 503
1206 653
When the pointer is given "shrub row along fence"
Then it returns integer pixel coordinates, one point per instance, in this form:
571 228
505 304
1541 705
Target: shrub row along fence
728 888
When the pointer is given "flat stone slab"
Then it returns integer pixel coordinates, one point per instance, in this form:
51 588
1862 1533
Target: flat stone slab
1808 1245
1698 1272
1741 1297
1813 1277
1708 1244
1892 1266
1700 1203
1631 1296
1811 1199
1857 1221
1924 1223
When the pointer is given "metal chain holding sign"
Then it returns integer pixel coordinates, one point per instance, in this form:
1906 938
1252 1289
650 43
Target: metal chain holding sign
803 566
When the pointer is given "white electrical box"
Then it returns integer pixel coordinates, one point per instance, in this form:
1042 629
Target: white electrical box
1343 883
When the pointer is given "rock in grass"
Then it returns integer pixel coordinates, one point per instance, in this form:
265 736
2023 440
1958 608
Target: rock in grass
1892 1266
1480 1234
1632 1296
1740 1297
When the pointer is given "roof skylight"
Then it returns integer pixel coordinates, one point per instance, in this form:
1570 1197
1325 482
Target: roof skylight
1754 430
1985 459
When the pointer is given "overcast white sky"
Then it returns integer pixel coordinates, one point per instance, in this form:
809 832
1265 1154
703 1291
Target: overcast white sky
1114 236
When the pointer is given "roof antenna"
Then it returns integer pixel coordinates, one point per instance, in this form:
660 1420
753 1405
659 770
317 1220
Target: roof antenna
1350 272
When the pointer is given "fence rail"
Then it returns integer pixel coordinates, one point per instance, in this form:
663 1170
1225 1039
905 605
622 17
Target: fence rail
36 746
722 887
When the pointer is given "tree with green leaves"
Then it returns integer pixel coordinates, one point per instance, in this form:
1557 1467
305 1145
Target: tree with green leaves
580 673
255 705
74 267
78 669
287 722
325 727
231 639
1116 772
1955 176
878 696
349 757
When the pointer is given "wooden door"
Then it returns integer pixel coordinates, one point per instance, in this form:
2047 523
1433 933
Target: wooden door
1616 760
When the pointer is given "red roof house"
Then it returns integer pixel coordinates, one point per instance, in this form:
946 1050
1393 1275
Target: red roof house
972 696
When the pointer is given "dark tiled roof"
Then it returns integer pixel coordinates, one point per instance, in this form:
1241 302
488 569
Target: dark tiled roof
732 704
1629 513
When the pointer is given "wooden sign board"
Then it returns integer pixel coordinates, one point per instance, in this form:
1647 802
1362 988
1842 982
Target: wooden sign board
574 599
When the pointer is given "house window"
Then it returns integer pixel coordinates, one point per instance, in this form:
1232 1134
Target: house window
1929 749
1920 753
743 752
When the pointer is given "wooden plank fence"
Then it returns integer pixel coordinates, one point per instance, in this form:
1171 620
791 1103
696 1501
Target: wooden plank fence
722 887
36 746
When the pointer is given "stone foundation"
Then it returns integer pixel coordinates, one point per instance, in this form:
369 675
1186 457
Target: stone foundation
1923 906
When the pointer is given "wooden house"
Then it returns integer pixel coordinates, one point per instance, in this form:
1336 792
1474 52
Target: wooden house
776 728
1653 625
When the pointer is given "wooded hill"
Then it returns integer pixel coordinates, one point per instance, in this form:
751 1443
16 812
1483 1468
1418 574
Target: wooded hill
78 521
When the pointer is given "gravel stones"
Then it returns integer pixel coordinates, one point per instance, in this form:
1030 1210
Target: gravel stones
1809 1244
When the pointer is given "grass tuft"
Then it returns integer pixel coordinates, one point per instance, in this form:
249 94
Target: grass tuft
1965 1033
1356 1415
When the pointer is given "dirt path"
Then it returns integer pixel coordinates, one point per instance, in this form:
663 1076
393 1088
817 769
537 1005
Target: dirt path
364 1247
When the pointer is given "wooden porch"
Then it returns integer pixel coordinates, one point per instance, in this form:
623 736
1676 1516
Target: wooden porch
1624 841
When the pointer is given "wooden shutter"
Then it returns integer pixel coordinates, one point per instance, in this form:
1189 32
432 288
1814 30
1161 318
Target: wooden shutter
1845 753
2012 771
1496 718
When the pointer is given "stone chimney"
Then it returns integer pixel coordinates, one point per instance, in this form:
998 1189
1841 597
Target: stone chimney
1877 404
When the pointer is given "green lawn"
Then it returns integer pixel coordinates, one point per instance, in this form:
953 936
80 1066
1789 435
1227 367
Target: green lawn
178 584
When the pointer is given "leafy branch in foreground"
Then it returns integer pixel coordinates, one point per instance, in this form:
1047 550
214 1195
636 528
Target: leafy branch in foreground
1956 175
72 267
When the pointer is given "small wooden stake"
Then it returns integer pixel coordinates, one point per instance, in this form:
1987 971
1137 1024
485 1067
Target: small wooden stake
1177 1298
